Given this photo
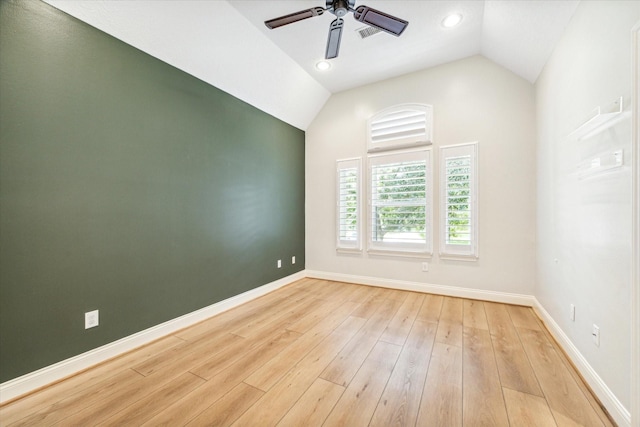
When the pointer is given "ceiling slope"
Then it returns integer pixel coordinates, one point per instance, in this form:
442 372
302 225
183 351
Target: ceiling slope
226 44
213 42
520 35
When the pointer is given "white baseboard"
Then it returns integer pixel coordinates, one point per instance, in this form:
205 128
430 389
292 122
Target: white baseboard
42 377
11 389
616 409
452 291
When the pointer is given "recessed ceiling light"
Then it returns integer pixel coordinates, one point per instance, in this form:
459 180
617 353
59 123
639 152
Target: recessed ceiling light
323 65
452 20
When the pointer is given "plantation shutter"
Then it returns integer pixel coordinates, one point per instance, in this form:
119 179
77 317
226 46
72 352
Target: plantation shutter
348 204
458 236
400 202
400 126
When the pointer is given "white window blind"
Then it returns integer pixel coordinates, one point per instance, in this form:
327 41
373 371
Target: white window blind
400 202
400 126
348 205
458 200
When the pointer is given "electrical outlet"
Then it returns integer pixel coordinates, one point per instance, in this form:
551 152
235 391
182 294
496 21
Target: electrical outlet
425 266
91 319
293 260
596 335
572 312
279 263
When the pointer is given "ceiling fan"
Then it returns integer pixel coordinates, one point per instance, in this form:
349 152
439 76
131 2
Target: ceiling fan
339 8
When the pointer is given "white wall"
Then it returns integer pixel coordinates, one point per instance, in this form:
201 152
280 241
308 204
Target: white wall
473 100
586 224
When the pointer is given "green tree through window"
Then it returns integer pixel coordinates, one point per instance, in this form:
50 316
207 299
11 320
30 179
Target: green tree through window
399 202
458 200
348 223
348 205
458 193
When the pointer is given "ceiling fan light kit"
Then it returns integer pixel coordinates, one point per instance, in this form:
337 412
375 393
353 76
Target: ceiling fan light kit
339 8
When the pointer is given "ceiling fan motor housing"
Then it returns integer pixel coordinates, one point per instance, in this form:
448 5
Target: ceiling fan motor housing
372 17
340 7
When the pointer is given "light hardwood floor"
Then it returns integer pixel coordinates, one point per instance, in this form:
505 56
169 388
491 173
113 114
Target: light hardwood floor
334 354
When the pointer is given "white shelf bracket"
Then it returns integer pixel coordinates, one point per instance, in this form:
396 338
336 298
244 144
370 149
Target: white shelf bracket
598 121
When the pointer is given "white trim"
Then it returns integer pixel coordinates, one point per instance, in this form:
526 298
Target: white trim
467 258
615 408
635 227
399 151
452 291
349 251
401 254
399 147
42 377
32 381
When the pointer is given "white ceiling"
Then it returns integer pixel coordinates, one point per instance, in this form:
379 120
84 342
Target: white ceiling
225 43
519 35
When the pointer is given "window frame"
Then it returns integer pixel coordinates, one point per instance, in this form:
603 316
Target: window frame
343 245
424 250
452 251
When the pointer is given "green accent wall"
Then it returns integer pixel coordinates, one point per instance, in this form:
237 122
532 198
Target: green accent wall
128 186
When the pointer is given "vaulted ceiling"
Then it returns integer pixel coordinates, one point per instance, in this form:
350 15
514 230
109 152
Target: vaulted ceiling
518 35
226 43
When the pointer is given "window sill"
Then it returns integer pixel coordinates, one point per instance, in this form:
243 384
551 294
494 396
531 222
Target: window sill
400 254
455 257
348 251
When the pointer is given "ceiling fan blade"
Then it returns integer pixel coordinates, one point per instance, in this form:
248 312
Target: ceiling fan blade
381 20
333 42
293 17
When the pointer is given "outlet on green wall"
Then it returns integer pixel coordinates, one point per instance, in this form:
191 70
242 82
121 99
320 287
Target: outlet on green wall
127 186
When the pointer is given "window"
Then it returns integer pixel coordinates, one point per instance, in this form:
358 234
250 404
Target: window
400 203
400 126
458 201
348 205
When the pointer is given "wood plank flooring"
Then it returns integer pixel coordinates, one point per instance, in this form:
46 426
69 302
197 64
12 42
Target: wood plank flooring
322 353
